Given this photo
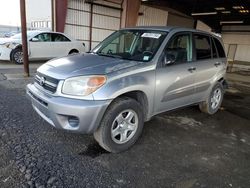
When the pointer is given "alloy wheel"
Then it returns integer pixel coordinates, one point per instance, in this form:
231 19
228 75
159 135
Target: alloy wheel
124 126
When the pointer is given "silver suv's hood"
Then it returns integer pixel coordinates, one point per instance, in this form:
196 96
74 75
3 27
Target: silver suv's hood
83 64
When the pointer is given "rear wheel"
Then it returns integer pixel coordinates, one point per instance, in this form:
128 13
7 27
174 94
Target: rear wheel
17 56
121 126
213 103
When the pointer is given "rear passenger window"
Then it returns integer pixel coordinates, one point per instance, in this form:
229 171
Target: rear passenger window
203 47
219 47
60 38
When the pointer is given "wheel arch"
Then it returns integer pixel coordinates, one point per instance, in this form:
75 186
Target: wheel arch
140 97
223 82
73 51
19 46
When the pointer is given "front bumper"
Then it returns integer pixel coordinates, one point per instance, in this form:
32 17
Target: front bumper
5 53
60 112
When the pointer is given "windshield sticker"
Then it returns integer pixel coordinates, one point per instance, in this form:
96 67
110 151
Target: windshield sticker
151 35
145 58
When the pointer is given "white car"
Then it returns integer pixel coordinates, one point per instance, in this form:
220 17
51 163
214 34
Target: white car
42 45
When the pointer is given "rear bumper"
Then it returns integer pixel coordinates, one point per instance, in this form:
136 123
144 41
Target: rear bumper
60 112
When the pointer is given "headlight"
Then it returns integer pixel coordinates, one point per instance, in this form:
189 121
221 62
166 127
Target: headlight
82 85
10 45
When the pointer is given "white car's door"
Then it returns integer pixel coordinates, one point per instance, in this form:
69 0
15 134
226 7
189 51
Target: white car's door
41 47
61 45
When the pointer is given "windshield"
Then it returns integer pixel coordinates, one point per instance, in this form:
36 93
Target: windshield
19 35
138 45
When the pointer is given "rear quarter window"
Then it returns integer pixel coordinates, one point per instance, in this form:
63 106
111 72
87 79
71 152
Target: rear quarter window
220 48
214 50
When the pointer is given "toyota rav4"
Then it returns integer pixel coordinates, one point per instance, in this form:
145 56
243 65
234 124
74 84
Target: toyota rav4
133 75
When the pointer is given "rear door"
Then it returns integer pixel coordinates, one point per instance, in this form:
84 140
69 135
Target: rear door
61 45
176 74
208 64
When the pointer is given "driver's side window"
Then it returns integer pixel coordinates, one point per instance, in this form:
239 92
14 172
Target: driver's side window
43 37
178 50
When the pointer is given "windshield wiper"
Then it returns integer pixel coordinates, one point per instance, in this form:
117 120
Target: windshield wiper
109 55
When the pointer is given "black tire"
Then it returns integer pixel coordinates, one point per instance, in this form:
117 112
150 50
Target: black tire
207 106
103 134
17 56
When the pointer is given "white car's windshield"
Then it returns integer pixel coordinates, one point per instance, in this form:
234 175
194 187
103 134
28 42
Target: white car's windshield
138 45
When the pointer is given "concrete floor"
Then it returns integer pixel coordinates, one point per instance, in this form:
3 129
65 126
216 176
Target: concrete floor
182 149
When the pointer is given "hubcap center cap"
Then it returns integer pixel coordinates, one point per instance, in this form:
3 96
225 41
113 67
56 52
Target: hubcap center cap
123 125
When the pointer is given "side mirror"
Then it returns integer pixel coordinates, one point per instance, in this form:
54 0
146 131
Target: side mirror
169 59
34 40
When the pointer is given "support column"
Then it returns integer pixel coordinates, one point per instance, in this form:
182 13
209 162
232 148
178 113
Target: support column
24 38
53 15
130 12
90 26
60 14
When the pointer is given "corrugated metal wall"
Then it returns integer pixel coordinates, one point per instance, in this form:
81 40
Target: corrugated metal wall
178 20
152 16
242 40
105 20
77 21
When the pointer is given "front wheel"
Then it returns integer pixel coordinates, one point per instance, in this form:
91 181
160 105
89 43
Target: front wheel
213 103
17 56
121 126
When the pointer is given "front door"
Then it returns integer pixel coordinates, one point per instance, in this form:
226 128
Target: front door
40 46
175 77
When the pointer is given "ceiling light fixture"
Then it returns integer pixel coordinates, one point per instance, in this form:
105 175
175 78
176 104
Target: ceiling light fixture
203 13
226 12
219 8
244 11
231 22
238 7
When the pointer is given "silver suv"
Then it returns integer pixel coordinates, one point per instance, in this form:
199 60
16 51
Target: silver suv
134 74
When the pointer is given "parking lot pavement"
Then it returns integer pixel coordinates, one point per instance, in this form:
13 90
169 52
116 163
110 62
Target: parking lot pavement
181 149
11 68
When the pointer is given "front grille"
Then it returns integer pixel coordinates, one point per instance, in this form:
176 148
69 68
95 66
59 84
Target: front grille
46 82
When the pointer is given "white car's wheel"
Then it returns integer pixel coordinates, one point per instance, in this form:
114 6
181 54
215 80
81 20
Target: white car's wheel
17 56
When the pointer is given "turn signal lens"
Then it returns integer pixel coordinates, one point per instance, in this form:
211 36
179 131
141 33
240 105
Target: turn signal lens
83 85
96 81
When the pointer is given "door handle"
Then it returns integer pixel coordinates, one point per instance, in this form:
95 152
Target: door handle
191 69
217 64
